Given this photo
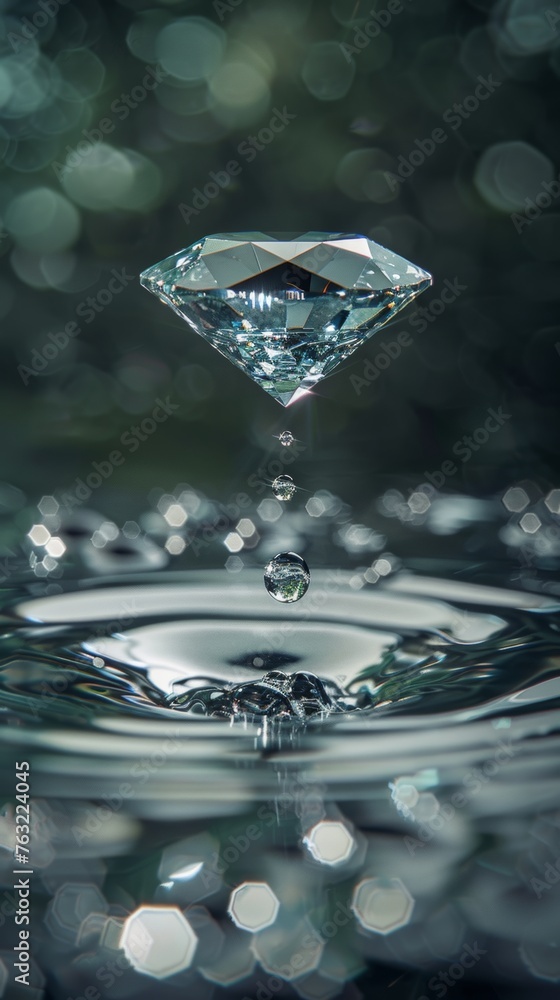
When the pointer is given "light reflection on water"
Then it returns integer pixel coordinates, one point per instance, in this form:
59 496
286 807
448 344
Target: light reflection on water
186 826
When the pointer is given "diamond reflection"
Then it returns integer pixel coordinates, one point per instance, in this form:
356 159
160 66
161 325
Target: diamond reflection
70 906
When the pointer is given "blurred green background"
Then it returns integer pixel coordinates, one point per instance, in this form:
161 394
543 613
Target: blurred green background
429 125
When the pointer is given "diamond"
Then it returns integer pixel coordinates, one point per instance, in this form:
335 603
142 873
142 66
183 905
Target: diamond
286 308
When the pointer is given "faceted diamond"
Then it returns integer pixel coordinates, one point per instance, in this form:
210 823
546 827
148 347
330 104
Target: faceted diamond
286 308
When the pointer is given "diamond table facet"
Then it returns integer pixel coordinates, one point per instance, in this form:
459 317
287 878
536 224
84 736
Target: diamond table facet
286 308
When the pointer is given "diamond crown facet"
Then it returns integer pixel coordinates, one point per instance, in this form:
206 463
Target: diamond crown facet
286 308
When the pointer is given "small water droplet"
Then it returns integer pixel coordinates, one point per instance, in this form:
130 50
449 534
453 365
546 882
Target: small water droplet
286 439
283 487
286 577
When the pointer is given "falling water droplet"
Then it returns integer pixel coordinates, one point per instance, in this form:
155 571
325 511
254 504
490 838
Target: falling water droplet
286 577
286 439
283 488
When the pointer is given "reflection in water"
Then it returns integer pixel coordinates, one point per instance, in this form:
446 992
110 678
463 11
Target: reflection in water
330 842
253 906
382 906
290 949
234 795
158 941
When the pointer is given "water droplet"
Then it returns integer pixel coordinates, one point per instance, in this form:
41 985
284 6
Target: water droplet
283 488
286 577
286 439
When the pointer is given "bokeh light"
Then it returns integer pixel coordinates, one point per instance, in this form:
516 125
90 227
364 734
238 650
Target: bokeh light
190 48
42 220
158 941
253 906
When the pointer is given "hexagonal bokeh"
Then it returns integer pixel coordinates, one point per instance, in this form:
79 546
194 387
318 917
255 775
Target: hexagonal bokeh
234 963
426 807
253 906
111 934
158 941
91 930
71 904
530 523
382 905
515 499
330 842
290 950
542 958
316 987
340 963
269 509
39 534
48 506
552 501
404 793
175 515
209 933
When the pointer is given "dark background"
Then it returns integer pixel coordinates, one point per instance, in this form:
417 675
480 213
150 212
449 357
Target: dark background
358 110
